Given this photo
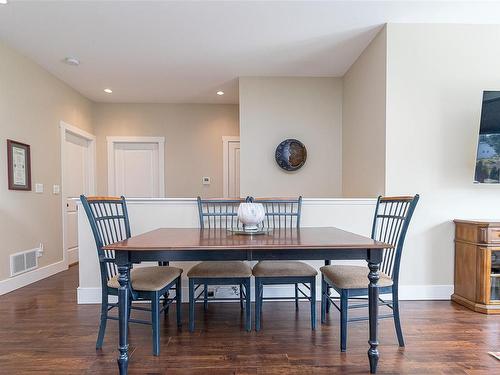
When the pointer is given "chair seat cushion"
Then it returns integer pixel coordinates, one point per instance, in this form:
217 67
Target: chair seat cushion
149 279
352 277
278 268
221 269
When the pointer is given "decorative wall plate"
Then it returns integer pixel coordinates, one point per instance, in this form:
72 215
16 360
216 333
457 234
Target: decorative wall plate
291 154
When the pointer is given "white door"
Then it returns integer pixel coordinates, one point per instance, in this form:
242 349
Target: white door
76 181
231 167
135 168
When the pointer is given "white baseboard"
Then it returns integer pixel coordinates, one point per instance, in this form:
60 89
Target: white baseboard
406 292
425 292
91 295
16 282
72 256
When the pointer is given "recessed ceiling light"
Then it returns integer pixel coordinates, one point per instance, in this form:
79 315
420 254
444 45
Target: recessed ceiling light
3 1
220 93
108 91
70 60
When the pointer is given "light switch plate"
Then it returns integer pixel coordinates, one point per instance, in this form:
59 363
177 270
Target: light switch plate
206 180
56 189
38 188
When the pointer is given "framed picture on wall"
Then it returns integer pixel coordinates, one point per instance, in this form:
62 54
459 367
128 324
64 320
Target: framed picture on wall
18 165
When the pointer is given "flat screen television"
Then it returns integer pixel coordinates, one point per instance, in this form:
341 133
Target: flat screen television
488 148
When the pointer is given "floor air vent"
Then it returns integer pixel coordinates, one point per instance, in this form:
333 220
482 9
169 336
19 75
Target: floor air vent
23 262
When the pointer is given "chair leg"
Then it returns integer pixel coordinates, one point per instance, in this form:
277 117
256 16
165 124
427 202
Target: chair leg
313 303
104 320
178 301
343 319
328 302
248 313
327 307
397 320
258 303
191 305
261 298
205 297
166 306
323 299
241 296
296 297
155 322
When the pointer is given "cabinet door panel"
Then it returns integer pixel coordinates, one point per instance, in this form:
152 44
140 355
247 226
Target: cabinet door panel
465 270
483 264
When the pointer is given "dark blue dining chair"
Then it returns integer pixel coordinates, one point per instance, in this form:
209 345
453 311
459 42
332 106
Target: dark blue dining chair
390 224
283 214
218 215
108 219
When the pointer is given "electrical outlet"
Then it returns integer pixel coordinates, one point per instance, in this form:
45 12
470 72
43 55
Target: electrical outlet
56 189
206 181
38 188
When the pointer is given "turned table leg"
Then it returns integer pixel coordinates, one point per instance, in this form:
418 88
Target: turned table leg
123 296
373 276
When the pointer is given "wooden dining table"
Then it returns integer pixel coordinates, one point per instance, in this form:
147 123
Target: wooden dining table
183 244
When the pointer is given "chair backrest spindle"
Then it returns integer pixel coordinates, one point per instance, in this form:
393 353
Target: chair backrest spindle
108 219
219 213
281 213
390 224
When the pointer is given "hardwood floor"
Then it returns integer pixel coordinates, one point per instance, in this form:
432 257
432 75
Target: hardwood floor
44 331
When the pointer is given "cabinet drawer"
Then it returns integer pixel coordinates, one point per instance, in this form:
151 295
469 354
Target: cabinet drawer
489 235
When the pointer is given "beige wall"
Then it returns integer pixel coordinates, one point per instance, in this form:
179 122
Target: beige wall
363 122
193 141
435 78
32 103
274 109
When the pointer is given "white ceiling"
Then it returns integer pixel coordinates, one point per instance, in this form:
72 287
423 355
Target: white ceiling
154 51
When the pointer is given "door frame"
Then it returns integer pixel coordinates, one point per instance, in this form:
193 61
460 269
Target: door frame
225 162
160 141
91 173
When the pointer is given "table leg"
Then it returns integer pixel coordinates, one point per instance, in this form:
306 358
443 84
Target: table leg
373 276
123 307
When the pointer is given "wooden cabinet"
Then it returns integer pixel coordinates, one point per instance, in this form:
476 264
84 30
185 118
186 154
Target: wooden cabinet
477 265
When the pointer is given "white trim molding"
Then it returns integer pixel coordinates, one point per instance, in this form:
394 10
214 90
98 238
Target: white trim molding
91 173
225 163
16 282
160 141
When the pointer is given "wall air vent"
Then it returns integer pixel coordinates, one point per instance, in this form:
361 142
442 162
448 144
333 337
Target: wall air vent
23 262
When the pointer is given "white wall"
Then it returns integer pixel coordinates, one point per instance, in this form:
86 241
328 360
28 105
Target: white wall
354 215
274 109
435 78
363 122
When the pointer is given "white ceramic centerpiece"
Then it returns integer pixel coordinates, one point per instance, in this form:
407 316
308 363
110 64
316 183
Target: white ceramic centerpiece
251 215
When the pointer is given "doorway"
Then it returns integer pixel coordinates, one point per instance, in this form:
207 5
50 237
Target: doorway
77 177
136 166
231 167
